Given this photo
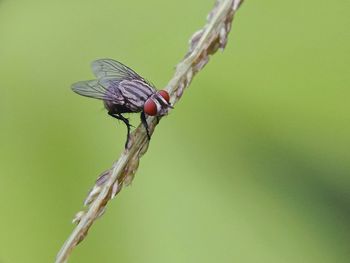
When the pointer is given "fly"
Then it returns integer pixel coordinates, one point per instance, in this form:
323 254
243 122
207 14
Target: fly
122 90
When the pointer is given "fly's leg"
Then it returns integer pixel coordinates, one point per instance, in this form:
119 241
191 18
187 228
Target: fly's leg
118 116
144 122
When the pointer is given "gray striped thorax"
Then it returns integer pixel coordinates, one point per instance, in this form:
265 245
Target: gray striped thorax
135 93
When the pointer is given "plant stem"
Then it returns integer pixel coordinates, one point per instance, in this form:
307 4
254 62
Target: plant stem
203 43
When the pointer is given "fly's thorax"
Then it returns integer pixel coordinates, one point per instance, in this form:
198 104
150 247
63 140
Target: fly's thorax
136 90
127 95
157 104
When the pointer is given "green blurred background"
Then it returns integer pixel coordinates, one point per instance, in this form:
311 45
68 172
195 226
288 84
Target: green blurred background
252 166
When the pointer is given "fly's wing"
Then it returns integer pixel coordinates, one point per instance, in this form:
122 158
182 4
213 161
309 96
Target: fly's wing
116 83
112 69
89 88
94 89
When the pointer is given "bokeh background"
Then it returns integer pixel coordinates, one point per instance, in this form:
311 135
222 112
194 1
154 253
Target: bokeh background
253 165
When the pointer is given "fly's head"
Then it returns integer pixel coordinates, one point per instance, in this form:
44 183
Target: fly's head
158 104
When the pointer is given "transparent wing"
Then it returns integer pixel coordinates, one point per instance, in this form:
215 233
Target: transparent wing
92 89
109 68
110 73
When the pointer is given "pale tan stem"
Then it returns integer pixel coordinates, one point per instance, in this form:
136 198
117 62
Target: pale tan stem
203 43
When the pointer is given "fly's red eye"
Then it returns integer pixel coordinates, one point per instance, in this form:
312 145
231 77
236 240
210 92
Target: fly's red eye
164 94
150 107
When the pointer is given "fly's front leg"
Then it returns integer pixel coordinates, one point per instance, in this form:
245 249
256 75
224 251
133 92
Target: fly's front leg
118 116
144 122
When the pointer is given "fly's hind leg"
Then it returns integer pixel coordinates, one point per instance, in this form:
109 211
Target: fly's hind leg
144 122
118 116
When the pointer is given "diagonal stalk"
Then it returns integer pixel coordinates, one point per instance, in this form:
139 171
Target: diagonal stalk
203 43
